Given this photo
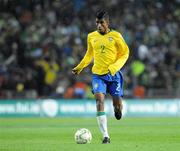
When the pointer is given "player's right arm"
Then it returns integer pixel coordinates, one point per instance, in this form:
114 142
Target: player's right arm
86 60
122 55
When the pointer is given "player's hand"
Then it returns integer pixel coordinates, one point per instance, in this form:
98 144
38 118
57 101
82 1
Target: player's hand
112 70
76 70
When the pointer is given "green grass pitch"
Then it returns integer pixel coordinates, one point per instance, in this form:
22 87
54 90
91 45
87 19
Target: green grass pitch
57 134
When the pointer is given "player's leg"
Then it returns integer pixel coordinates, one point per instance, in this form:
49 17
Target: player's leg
101 117
99 90
115 88
116 93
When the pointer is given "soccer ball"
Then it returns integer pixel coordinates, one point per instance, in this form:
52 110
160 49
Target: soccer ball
83 136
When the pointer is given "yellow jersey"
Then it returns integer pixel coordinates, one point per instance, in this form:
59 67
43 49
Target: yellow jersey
109 53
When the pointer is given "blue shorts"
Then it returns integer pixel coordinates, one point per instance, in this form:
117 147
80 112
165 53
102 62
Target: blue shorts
108 84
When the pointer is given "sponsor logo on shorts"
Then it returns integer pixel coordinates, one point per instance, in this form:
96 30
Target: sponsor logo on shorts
96 85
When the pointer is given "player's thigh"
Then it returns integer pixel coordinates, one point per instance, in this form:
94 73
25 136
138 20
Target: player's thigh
98 86
115 89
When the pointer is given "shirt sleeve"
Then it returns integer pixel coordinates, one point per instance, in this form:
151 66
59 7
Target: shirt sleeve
88 56
122 55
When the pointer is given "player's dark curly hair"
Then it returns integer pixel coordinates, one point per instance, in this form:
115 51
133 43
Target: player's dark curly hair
100 14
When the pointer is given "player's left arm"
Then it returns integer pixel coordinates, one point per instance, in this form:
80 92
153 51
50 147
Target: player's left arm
122 55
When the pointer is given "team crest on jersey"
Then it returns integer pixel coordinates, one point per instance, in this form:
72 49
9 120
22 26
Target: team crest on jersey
110 38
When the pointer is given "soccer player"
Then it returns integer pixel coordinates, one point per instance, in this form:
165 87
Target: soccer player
109 52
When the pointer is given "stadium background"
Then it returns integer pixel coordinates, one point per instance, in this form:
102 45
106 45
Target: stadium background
42 40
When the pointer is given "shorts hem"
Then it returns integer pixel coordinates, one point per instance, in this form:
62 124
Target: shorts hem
98 92
115 95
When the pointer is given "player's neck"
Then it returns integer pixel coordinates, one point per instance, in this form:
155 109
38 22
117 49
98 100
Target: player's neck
107 31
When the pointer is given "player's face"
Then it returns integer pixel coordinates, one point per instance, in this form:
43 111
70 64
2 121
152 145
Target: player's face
102 25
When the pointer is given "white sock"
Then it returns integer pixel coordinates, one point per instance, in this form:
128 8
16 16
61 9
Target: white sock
102 122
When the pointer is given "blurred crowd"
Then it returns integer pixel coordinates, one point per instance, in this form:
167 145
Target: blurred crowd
42 40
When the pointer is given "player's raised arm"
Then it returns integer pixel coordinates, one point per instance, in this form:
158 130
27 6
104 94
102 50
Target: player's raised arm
122 55
86 60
